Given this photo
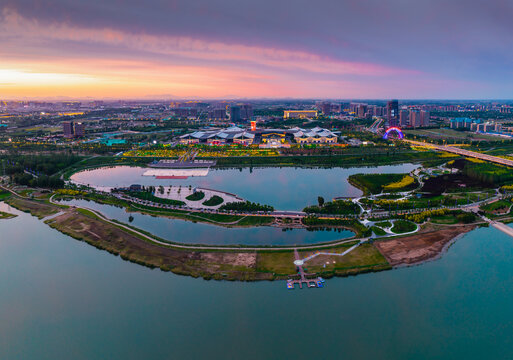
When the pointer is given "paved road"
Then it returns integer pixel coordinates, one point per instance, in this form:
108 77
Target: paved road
472 154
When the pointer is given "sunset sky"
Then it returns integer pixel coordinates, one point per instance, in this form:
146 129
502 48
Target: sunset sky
459 49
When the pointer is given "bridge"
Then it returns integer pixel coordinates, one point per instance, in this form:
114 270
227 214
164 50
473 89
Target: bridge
467 153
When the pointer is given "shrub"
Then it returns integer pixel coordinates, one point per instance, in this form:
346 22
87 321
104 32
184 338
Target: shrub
213 201
198 195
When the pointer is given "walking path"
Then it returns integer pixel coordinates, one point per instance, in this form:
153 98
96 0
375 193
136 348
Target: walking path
333 254
181 193
203 247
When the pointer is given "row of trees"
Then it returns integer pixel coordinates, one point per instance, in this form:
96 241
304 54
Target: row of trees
39 164
340 207
246 206
52 182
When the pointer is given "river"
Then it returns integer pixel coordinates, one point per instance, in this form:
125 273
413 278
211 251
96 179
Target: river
61 298
285 188
188 232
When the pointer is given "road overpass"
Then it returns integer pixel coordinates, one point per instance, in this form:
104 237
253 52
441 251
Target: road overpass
458 151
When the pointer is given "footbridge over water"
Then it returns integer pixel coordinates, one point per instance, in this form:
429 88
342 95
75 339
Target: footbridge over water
502 227
499 226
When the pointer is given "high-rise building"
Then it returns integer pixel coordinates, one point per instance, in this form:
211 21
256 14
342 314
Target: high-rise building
78 129
424 118
235 113
403 118
344 106
415 120
217 114
336 108
361 109
325 108
67 128
246 111
393 112
379 111
488 127
71 129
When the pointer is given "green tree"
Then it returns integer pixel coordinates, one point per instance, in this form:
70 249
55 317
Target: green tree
320 200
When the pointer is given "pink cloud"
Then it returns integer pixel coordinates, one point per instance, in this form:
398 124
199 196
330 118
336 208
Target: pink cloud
193 48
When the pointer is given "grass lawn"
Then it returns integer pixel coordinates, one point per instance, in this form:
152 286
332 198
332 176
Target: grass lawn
276 262
217 217
378 231
383 224
497 206
376 183
213 201
4 195
37 209
364 256
197 196
150 197
403 226
444 219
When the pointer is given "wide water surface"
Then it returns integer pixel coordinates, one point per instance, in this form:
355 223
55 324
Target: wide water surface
188 232
285 188
63 299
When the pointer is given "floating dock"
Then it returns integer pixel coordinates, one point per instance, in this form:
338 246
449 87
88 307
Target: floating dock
176 173
310 283
303 278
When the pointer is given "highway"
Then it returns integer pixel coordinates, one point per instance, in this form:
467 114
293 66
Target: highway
458 151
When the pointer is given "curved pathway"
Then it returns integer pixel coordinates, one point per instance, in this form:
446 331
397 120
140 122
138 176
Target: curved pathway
208 247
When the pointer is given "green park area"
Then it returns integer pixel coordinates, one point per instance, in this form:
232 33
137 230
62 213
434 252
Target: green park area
377 183
403 226
214 201
148 196
337 207
196 196
499 207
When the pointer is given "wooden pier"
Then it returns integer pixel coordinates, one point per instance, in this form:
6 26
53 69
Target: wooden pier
310 280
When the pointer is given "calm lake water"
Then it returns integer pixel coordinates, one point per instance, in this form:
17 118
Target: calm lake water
189 232
63 299
285 188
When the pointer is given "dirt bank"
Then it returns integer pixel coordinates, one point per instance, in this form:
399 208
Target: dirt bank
422 246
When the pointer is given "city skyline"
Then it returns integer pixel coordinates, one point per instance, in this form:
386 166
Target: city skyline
211 50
